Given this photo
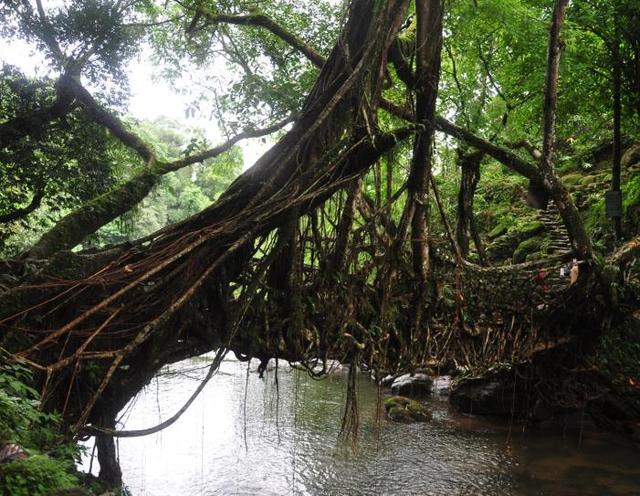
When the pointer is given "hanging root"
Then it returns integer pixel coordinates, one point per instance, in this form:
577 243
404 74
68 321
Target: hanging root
349 430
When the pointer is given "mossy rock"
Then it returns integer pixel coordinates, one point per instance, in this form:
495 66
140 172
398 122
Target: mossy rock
535 256
571 180
631 156
590 180
531 228
403 409
525 248
503 247
499 230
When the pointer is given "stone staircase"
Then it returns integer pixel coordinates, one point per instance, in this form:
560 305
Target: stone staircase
560 244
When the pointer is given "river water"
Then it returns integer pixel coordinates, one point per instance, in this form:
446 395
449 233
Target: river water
247 436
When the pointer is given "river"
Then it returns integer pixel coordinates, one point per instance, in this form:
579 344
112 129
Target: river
245 436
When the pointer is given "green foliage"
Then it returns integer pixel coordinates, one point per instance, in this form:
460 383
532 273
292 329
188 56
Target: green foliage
178 194
618 351
68 163
265 78
38 475
50 465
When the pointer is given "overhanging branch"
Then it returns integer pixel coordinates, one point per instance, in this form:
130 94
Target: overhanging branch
259 20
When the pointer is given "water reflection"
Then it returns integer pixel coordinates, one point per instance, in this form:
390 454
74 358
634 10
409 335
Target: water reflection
282 441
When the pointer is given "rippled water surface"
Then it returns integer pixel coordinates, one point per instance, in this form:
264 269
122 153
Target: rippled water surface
283 441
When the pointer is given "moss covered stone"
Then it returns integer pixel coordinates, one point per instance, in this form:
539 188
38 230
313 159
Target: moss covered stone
503 247
403 409
589 180
499 230
527 247
571 180
631 155
532 228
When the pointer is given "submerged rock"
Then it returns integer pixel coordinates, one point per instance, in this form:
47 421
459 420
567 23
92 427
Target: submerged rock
495 393
412 385
402 409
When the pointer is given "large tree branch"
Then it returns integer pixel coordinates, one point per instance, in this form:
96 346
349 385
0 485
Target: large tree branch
46 32
37 122
84 221
502 155
21 212
214 152
259 20
105 118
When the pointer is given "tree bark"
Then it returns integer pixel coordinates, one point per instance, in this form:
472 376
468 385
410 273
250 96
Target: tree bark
428 54
466 228
110 472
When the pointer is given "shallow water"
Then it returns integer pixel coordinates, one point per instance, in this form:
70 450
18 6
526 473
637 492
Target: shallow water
283 441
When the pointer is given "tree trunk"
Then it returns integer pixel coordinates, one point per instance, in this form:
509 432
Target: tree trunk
575 227
466 229
428 49
338 256
110 472
155 291
617 117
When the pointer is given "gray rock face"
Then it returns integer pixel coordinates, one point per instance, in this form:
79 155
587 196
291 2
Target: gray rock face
387 380
496 393
412 385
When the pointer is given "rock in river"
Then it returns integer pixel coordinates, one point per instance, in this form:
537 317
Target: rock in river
412 385
401 409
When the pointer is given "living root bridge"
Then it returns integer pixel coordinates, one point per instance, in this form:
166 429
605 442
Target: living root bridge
100 324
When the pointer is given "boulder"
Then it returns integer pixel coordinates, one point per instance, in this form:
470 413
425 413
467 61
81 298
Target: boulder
499 230
504 245
387 380
496 393
412 385
442 385
631 156
525 248
402 409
